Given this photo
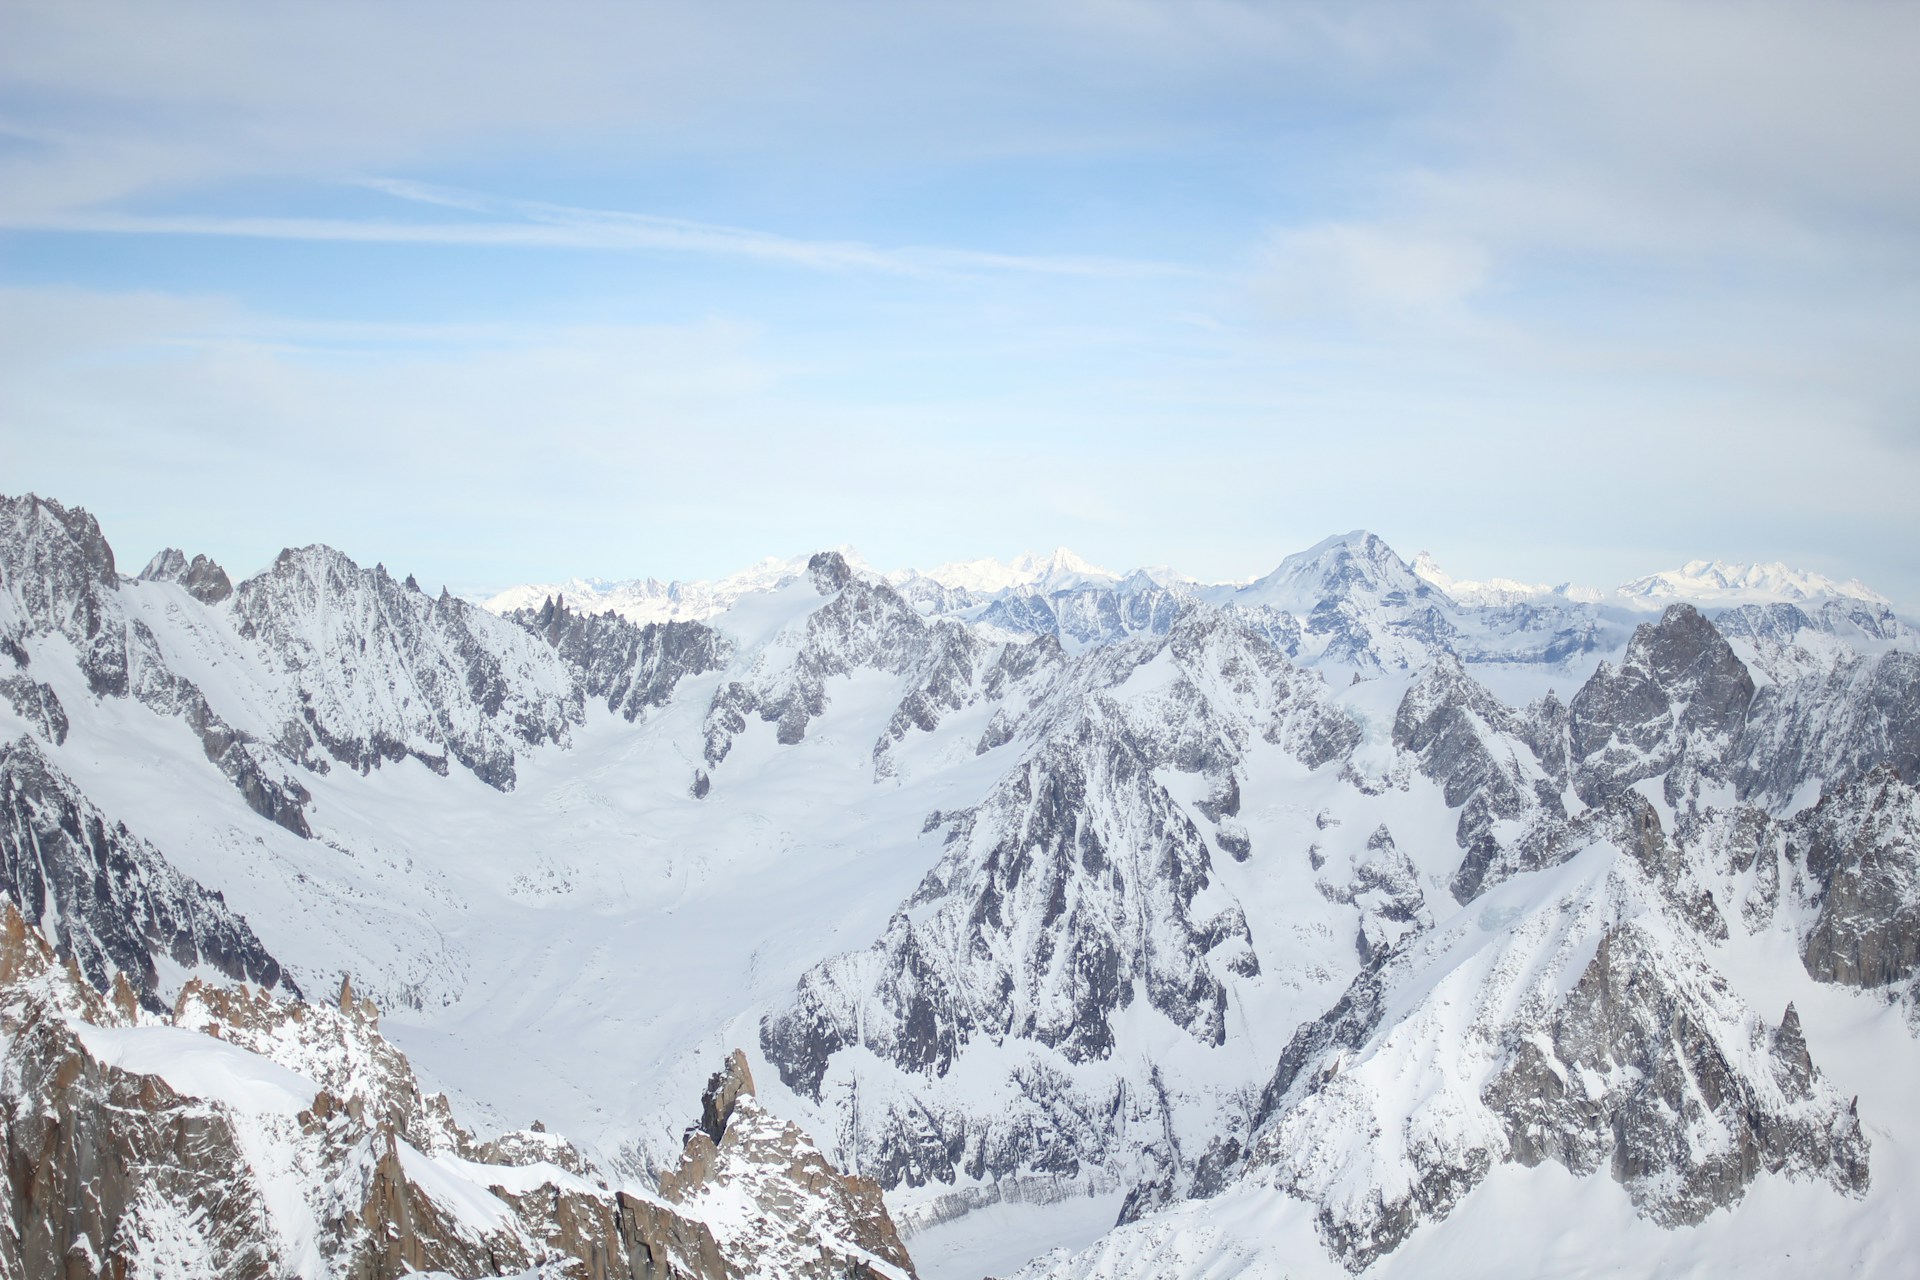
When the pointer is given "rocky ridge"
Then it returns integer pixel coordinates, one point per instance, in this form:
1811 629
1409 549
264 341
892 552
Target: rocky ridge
245 1136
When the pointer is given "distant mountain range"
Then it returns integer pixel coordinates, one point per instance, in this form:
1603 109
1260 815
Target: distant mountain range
977 581
1353 919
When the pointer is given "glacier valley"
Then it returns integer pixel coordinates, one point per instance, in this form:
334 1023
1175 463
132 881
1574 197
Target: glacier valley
1067 923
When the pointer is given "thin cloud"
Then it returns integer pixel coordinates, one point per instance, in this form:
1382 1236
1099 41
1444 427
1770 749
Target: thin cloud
537 224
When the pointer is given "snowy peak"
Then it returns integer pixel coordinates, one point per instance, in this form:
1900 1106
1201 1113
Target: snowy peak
1337 568
55 568
1721 582
1059 570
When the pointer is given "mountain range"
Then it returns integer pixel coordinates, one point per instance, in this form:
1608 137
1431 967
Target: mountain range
1352 919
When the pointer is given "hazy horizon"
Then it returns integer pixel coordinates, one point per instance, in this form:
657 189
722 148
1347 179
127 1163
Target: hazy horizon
1557 293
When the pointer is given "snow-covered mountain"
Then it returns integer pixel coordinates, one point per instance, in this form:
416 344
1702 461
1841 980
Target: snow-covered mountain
1717 582
1112 925
1060 570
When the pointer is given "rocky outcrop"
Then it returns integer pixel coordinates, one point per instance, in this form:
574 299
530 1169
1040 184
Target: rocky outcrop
1076 884
631 668
38 705
204 580
57 576
1641 1075
1090 614
262 776
863 626
1076 888
1678 699
1860 847
1382 885
815 1223
246 1137
1831 726
56 572
113 905
1485 758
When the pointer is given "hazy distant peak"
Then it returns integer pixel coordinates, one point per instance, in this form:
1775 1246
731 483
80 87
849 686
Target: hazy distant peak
1721 580
1056 570
1498 591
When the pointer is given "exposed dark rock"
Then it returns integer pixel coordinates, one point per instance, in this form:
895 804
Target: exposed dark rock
204 580
57 565
829 571
633 668
384 673
1679 694
38 705
864 626
117 1173
816 1223
1861 850
1635 1060
1833 726
113 902
1628 1021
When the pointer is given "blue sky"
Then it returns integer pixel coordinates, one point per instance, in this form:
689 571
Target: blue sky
493 293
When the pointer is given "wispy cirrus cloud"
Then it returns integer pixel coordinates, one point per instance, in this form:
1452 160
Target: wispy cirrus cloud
511 223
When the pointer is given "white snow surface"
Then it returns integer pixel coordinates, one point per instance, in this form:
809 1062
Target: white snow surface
201 1066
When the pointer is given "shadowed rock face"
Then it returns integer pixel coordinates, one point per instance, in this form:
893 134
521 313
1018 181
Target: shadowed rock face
1492 763
38 705
1673 1078
864 625
633 668
1090 615
1679 692
1096 883
58 572
114 1172
114 903
1834 725
57 566
1861 849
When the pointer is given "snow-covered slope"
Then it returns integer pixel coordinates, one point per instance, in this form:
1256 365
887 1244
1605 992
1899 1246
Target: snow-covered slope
1346 909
